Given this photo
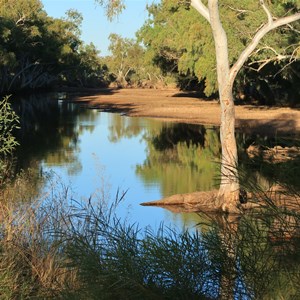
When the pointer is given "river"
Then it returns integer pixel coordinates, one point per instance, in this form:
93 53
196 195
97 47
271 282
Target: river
96 154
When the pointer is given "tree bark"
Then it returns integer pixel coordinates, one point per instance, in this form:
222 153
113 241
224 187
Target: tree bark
228 197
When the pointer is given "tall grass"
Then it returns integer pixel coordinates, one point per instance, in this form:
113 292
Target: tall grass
53 246
32 260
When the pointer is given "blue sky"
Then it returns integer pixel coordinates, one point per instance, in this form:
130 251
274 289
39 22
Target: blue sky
95 27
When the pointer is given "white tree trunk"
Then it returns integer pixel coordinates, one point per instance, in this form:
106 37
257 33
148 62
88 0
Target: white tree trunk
228 197
229 187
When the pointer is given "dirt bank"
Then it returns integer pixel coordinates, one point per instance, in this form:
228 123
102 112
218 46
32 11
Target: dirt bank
177 106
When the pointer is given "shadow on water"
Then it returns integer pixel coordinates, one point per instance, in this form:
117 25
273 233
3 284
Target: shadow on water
182 158
186 159
86 99
169 137
270 160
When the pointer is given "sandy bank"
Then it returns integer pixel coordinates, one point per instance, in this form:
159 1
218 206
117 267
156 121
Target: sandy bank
177 106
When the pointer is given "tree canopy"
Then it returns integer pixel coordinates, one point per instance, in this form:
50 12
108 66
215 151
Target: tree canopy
181 42
174 44
37 51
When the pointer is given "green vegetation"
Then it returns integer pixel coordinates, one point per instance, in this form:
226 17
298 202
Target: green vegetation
131 65
8 123
52 246
37 51
177 48
181 43
174 46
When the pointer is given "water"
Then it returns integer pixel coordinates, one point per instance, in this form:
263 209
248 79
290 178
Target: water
98 153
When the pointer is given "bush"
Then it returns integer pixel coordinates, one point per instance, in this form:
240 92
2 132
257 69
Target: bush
8 123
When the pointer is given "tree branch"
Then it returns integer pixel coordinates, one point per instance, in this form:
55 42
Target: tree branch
201 8
268 48
269 15
292 28
20 20
263 62
239 11
257 38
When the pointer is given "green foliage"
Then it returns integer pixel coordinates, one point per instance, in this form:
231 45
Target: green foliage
38 51
180 41
125 59
55 247
112 7
130 64
8 122
173 35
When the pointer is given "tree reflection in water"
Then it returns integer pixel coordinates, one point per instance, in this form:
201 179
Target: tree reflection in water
182 158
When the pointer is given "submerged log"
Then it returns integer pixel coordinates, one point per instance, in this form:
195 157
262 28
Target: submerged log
197 201
207 201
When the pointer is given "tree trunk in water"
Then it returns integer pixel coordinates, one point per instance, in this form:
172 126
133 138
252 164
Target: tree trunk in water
228 197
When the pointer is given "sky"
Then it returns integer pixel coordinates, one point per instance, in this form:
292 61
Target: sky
95 26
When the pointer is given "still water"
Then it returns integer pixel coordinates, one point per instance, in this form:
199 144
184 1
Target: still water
98 153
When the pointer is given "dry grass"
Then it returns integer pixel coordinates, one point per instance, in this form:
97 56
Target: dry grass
55 247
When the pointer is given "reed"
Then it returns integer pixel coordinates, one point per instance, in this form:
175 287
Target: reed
53 246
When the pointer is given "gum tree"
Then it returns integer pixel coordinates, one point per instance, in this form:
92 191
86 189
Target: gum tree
229 192
229 189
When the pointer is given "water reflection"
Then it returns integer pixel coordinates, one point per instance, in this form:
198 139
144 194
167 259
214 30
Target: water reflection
47 132
150 158
182 158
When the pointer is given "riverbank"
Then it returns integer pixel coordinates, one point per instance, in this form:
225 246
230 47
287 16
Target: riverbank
177 106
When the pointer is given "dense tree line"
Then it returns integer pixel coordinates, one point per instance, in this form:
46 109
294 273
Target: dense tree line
182 43
175 45
38 51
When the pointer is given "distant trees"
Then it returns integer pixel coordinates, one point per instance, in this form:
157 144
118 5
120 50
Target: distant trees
179 43
37 51
126 59
130 64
